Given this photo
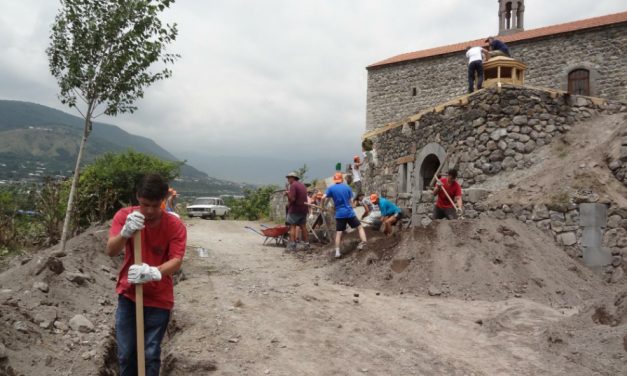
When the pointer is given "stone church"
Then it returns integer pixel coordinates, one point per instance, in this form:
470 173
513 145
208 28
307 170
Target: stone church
585 57
420 119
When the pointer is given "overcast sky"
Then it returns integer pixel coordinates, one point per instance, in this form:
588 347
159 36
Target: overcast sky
269 79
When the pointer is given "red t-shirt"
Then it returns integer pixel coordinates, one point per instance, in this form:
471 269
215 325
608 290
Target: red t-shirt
453 190
163 242
298 192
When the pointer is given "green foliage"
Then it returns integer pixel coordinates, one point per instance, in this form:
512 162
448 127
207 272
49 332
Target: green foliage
101 51
109 183
16 230
254 205
302 172
50 203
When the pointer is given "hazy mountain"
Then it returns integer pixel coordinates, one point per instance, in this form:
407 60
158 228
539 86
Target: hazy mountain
259 169
36 140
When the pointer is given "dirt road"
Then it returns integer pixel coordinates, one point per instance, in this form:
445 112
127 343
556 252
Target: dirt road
248 309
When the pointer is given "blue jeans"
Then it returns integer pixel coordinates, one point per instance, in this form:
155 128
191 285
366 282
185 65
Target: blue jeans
155 324
475 66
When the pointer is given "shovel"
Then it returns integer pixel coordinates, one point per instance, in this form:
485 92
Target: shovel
461 216
139 307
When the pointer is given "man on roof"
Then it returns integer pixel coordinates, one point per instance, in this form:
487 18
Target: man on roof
497 47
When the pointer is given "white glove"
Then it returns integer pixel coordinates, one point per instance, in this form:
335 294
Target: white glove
459 212
134 222
143 273
438 183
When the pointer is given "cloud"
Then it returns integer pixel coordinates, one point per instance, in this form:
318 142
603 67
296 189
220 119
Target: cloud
273 78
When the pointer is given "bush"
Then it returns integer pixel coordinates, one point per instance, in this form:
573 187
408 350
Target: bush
254 205
109 183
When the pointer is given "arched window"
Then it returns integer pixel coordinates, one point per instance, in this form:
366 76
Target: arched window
579 82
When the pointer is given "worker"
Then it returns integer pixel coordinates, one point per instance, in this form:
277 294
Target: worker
170 201
164 239
390 213
342 196
444 208
497 47
475 56
356 174
297 210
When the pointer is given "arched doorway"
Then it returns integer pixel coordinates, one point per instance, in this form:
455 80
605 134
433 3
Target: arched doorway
428 168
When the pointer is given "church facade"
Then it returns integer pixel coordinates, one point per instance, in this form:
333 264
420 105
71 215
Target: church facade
585 57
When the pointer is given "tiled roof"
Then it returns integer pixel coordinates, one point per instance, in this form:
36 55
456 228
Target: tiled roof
523 35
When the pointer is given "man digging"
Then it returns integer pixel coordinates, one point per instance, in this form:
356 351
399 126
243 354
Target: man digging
163 239
448 189
342 196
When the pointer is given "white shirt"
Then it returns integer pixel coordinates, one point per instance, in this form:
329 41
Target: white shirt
356 174
474 54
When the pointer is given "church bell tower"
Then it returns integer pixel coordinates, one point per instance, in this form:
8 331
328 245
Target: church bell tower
511 16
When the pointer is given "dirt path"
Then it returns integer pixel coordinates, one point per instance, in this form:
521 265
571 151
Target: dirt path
247 309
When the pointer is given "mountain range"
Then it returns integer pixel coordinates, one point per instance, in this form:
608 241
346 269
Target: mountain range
38 141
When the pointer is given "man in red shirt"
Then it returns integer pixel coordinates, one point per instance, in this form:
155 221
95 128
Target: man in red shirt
443 206
297 210
164 238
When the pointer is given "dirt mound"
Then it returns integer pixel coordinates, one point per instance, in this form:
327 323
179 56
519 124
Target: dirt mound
41 298
595 338
573 166
484 259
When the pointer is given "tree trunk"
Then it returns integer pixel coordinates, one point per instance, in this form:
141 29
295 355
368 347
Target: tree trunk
70 201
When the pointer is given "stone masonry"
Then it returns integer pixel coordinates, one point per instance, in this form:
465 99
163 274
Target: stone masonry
436 79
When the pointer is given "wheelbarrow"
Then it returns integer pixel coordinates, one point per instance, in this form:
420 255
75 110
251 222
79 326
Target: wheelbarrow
277 233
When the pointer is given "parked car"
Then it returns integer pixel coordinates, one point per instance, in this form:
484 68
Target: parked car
208 207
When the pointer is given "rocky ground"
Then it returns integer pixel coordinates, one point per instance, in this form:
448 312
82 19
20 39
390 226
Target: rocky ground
475 297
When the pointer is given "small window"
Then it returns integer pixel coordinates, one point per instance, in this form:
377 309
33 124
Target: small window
579 82
414 92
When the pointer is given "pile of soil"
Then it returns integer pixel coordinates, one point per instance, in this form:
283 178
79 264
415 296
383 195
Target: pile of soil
57 310
483 259
575 166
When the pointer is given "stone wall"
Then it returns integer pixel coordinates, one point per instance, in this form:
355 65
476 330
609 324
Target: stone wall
278 203
561 220
497 130
437 79
619 164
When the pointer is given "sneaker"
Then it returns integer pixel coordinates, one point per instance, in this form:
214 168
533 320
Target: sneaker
361 246
337 253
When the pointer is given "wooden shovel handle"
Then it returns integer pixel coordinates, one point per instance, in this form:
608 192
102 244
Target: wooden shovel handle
139 307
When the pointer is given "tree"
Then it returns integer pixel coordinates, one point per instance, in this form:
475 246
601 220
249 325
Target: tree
109 183
302 172
254 205
100 53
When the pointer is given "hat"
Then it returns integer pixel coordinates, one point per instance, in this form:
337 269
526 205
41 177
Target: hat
338 178
356 158
292 175
374 197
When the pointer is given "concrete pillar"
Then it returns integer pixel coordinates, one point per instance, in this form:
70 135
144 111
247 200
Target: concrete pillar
593 219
